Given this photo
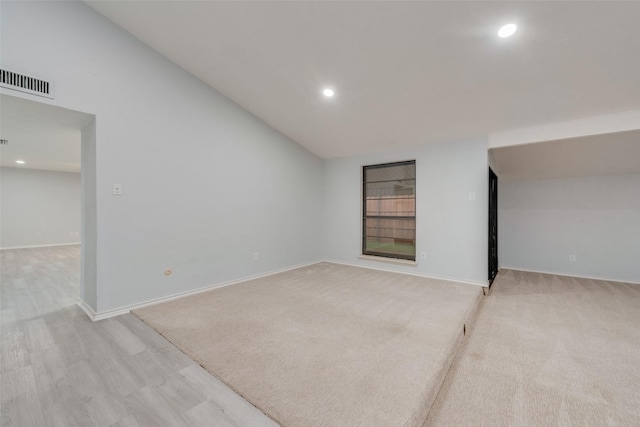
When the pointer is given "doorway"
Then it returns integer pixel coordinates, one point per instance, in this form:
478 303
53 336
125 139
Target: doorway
493 226
48 162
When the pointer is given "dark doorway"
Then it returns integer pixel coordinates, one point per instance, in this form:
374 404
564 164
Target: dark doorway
493 226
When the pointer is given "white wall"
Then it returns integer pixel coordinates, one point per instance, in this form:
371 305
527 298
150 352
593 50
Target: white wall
491 160
38 207
611 123
596 218
205 184
89 273
450 228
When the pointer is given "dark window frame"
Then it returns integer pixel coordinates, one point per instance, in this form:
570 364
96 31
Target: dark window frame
400 217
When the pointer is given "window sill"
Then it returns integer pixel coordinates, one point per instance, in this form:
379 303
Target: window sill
388 260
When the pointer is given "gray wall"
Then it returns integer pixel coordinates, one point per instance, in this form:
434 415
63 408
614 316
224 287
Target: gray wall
88 290
450 228
39 207
205 184
597 219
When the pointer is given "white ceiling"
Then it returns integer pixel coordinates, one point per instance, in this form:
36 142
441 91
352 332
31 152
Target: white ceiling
44 136
599 155
405 73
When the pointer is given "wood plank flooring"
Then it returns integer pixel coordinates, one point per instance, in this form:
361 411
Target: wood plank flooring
58 368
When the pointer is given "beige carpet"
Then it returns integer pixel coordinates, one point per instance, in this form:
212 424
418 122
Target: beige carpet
547 350
326 345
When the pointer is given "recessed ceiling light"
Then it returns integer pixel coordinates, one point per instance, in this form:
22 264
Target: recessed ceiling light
507 30
328 92
20 162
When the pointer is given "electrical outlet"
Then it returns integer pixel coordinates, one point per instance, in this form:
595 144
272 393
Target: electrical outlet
572 258
256 256
117 190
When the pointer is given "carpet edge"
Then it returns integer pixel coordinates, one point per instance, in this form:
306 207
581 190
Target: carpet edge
469 319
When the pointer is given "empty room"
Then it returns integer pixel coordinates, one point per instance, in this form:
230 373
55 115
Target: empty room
262 213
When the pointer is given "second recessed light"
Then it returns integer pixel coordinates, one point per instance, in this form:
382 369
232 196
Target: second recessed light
328 92
507 30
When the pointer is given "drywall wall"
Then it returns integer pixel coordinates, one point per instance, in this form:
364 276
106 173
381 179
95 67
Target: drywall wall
204 183
491 160
38 208
451 229
597 219
89 273
611 123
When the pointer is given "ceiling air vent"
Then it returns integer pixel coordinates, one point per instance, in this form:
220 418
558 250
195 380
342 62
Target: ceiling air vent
24 83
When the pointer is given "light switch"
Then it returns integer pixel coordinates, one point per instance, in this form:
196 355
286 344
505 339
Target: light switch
472 196
117 190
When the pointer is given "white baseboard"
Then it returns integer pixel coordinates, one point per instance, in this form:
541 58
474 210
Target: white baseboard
39 246
124 310
568 275
429 276
87 309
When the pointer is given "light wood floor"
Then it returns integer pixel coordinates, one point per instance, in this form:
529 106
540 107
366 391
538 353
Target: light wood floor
60 369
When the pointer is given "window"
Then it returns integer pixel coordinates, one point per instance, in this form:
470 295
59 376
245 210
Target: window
389 210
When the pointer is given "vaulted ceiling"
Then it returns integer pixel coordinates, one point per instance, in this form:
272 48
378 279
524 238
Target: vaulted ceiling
404 73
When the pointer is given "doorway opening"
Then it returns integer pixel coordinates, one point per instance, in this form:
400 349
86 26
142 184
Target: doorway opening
493 226
47 169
